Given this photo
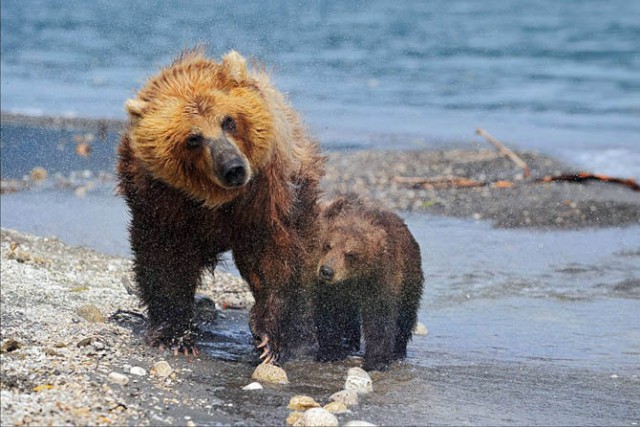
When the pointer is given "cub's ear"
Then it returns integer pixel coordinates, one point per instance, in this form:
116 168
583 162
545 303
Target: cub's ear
235 66
135 107
336 207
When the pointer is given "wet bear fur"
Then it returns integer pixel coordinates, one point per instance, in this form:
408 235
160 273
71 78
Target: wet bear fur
214 159
369 278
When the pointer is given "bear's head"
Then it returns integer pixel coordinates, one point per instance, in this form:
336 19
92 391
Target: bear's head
351 244
202 127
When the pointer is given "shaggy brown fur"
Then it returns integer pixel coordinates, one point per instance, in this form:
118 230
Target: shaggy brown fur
369 269
214 159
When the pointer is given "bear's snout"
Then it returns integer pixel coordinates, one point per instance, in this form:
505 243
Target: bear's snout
326 273
234 173
228 163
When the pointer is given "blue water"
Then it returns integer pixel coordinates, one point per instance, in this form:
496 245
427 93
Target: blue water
561 77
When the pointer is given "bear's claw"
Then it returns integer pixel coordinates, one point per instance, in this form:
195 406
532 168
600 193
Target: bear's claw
163 340
267 355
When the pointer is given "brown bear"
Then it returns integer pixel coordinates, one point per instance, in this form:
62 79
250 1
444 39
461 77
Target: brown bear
369 274
215 159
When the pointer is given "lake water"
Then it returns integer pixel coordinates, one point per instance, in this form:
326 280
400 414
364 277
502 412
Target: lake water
557 76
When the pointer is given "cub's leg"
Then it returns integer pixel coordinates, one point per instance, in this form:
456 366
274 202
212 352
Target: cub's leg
379 316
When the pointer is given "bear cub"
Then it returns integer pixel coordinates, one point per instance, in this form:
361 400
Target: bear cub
370 275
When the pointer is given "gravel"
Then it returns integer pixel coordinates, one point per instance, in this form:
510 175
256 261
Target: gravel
58 368
559 205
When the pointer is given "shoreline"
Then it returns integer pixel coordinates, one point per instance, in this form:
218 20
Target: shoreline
516 202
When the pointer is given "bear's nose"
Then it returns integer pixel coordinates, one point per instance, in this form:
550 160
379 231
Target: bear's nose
326 272
234 173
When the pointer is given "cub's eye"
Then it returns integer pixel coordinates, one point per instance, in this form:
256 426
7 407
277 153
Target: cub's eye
327 246
351 256
194 141
228 124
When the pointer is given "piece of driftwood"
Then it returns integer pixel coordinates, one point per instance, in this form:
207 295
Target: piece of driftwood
587 176
513 156
437 182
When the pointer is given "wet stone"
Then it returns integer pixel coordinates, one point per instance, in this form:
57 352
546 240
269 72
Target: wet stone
270 374
302 403
336 408
118 378
162 369
348 397
137 370
358 423
420 329
84 342
253 386
359 381
294 418
317 417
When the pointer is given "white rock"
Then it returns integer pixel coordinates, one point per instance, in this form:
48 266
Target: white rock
358 372
118 378
317 417
253 386
359 381
358 423
137 370
420 329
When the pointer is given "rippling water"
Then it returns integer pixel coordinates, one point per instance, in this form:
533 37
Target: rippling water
557 76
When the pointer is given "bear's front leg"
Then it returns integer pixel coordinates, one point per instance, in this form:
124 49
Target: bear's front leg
277 313
265 322
167 277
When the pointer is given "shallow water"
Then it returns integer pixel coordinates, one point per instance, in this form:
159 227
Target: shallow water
567 297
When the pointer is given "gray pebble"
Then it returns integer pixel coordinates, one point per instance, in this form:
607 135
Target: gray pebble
162 369
118 378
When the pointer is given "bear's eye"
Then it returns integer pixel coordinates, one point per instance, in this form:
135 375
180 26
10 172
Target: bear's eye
194 141
228 124
327 246
351 256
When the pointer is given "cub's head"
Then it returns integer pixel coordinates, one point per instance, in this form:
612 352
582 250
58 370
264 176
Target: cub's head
202 126
351 244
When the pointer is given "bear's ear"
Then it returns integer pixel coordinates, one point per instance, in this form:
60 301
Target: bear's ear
135 107
335 208
235 66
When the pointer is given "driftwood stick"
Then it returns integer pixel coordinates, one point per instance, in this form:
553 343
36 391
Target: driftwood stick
587 176
513 156
445 181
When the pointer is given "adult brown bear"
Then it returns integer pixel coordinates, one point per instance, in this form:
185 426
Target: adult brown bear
215 159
